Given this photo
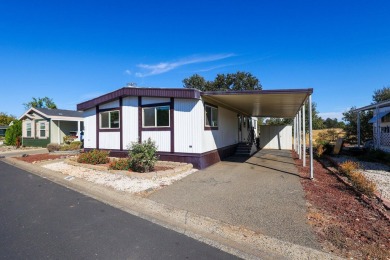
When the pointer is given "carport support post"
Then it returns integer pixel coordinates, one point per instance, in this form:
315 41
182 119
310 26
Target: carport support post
304 136
295 134
299 134
311 139
358 128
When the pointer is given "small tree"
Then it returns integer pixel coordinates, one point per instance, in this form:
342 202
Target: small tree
143 156
6 119
41 103
14 133
382 94
351 127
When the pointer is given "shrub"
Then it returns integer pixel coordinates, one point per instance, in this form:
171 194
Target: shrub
320 150
94 157
53 147
122 164
362 184
143 156
69 139
14 133
348 167
71 147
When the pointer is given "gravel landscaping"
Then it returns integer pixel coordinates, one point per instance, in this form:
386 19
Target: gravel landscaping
376 172
116 181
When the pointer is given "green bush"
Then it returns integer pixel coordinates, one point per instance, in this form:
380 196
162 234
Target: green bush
14 133
53 147
94 157
122 164
143 156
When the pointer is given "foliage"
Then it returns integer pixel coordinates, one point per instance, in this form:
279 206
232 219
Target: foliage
358 180
76 145
362 184
6 119
351 127
41 103
279 121
143 156
94 157
69 139
381 95
349 167
52 147
333 123
14 133
122 164
224 82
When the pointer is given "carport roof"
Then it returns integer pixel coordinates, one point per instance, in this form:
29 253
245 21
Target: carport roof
261 103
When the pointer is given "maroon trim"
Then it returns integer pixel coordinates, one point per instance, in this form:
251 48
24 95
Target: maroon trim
199 161
97 127
157 104
139 120
110 130
121 123
172 123
167 128
139 92
211 128
262 92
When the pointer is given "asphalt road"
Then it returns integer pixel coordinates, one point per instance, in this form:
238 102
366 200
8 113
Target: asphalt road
42 220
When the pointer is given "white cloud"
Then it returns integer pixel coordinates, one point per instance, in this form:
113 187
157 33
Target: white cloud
128 72
162 67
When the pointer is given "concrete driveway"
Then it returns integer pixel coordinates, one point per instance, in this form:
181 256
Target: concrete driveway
262 193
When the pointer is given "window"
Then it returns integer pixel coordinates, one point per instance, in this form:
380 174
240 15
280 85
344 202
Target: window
109 119
28 129
211 117
42 129
156 116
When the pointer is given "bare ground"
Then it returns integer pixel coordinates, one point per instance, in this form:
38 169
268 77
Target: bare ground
342 221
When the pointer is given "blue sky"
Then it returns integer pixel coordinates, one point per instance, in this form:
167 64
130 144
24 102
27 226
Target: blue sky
72 51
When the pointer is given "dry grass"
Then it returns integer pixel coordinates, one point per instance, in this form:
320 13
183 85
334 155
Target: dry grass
316 133
348 167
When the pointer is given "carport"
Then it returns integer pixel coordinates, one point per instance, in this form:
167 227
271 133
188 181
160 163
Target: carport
283 103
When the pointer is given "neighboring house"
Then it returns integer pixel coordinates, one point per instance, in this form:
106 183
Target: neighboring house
3 129
380 124
187 125
41 126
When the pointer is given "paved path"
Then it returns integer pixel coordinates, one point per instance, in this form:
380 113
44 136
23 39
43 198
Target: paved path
42 220
262 193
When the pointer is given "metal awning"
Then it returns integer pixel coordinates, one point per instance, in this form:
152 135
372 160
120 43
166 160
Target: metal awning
378 116
261 103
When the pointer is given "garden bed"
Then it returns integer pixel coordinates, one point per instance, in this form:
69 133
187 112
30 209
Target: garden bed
35 158
343 222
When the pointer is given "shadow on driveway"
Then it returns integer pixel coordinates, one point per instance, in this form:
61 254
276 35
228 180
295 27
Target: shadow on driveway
262 193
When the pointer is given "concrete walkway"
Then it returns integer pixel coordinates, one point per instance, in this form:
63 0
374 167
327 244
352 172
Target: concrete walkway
262 193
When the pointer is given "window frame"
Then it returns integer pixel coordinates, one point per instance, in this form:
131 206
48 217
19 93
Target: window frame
42 123
156 126
28 126
206 126
109 112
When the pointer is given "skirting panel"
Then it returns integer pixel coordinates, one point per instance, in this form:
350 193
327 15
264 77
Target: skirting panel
199 161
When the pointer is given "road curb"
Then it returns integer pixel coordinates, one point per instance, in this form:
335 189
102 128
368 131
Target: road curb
235 240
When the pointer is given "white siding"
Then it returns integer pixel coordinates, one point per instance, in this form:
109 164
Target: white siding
162 139
188 125
154 100
276 137
54 132
109 140
227 133
130 121
90 128
112 104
